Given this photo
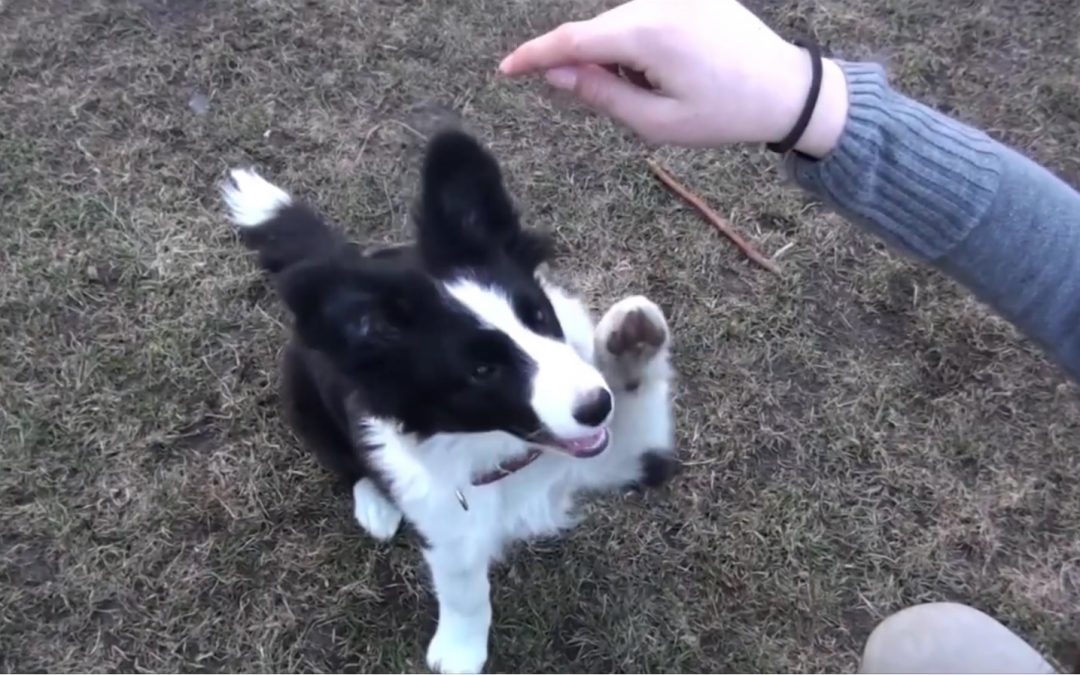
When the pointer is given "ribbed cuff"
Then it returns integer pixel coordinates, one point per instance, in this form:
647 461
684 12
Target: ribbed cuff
916 178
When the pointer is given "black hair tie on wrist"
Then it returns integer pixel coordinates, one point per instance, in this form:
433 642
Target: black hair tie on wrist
797 131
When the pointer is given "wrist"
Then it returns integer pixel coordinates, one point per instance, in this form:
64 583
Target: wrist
791 91
830 114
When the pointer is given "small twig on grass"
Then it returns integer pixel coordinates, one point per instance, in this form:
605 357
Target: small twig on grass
718 221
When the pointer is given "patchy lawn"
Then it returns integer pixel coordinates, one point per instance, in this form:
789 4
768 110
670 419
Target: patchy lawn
859 435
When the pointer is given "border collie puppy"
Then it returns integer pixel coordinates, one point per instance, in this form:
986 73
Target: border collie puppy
452 384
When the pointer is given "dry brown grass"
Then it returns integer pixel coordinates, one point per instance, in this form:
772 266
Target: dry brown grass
859 434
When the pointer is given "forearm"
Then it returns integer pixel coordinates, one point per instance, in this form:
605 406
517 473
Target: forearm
950 196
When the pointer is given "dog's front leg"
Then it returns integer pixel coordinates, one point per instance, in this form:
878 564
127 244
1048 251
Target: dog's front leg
633 353
461 587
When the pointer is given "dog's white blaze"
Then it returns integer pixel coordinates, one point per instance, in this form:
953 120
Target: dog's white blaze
252 200
573 317
562 376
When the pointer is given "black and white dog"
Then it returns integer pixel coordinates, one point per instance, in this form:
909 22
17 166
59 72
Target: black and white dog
452 383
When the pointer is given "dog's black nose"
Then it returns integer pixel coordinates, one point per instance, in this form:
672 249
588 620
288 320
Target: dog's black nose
593 408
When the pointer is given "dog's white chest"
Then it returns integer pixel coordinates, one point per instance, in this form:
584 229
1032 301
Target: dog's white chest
430 480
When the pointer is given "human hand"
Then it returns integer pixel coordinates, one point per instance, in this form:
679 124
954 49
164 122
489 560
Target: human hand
713 74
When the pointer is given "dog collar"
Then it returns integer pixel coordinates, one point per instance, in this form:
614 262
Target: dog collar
502 471
508 467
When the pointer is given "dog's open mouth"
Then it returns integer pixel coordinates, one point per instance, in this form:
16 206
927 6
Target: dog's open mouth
584 446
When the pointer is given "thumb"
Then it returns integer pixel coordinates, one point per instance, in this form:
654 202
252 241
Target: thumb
636 107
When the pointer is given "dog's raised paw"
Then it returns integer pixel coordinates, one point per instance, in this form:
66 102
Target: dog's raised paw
630 338
373 511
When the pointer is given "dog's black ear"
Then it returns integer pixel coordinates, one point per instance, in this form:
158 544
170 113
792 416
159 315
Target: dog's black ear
354 311
465 213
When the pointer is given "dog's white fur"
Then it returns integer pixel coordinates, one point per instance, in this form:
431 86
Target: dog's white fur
252 200
426 477
536 501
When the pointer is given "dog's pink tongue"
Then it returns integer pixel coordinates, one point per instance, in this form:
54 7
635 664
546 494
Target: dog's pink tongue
587 443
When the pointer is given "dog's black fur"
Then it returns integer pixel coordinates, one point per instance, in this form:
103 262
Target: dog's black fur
373 335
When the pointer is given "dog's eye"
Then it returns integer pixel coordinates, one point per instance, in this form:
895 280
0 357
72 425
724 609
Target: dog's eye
483 372
532 314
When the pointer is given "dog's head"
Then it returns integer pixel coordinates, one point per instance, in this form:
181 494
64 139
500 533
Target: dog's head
462 337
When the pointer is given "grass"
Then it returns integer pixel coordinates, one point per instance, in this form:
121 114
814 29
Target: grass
859 435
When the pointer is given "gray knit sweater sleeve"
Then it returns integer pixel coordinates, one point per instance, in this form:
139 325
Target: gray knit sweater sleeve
948 195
